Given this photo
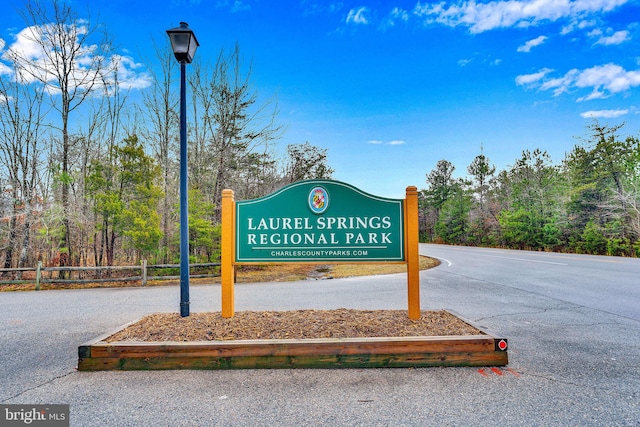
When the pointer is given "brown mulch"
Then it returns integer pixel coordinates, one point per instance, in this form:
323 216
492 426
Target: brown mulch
298 324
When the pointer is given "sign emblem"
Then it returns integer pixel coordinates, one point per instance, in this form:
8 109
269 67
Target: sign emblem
318 200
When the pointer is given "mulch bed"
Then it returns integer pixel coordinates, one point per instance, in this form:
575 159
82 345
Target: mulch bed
298 324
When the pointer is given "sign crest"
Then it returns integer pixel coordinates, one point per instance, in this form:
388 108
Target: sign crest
318 200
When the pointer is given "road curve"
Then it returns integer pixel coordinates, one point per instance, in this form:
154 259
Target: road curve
608 284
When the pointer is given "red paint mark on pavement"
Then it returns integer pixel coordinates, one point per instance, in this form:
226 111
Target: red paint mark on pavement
496 371
482 372
513 372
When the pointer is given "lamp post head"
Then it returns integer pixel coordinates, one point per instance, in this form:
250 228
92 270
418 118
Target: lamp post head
183 42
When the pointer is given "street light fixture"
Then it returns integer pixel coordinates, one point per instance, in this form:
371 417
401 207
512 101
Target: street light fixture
183 42
184 45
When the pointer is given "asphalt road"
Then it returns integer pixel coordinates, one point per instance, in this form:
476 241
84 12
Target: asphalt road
573 324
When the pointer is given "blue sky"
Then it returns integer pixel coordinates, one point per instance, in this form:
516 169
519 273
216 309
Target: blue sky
391 87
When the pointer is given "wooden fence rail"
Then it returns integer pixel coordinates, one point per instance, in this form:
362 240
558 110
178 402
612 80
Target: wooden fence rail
101 274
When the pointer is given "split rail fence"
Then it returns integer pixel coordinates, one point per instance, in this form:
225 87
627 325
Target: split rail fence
45 275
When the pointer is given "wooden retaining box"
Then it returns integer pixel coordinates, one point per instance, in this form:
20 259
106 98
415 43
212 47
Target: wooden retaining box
484 349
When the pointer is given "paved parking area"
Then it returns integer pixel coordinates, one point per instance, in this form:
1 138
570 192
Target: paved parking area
570 364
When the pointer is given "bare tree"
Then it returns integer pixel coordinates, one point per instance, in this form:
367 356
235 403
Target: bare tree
230 135
68 58
21 126
202 129
243 128
307 162
160 103
96 140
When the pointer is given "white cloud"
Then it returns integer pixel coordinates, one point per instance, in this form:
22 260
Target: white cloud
577 25
233 6
375 142
395 142
560 85
595 94
605 114
4 98
239 6
596 32
395 15
480 17
603 80
358 16
27 44
611 77
529 79
124 67
532 43
618 37
399 14
477 59
4 69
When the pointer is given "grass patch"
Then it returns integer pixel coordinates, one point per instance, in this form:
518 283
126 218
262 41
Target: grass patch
258 273
293 271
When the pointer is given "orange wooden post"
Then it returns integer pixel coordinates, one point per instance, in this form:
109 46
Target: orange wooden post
227 249
411 246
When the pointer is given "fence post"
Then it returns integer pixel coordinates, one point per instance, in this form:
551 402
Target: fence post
38 275
144 272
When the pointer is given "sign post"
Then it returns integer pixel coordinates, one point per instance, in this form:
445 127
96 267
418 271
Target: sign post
227 262
320 221
413 256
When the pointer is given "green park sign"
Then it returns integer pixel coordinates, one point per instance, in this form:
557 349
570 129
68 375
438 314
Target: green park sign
318 221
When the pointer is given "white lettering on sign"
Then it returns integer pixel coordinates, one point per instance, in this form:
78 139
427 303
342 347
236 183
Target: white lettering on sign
353 223
257 239
316 233
321 223
280 224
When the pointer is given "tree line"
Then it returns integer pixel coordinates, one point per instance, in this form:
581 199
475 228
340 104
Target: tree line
589 202
89 172
89 175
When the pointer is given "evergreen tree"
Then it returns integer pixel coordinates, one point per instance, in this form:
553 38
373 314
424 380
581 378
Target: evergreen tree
483 220
532 221
453 223
440 185
603 189
125 199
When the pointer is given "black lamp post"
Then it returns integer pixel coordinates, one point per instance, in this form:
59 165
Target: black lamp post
184 45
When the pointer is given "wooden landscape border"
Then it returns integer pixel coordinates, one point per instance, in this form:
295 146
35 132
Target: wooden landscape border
484 349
